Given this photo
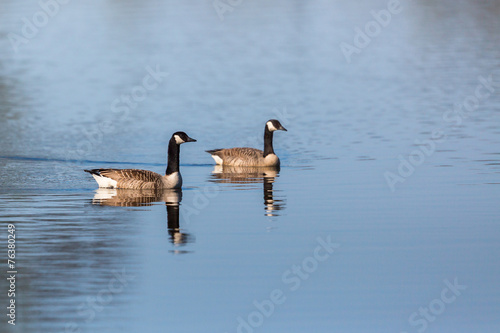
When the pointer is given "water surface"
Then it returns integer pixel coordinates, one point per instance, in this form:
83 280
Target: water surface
211 257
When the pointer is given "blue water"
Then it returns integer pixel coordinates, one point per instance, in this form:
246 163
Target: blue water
383 217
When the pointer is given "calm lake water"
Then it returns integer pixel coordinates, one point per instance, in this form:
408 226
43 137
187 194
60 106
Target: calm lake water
383 218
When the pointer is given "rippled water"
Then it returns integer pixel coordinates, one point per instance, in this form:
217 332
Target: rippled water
392 157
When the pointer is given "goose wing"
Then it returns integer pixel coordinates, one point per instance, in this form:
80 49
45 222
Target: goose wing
235 156
131 178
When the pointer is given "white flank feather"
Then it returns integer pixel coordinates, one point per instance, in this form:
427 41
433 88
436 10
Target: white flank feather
104 181
217 159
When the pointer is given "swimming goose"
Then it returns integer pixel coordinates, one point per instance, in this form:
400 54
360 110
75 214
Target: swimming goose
251 156
144 179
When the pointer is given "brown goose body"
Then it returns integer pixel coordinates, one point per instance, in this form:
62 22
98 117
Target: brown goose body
250 156
244 157
135 179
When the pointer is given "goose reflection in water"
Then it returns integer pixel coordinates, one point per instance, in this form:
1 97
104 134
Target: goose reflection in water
137 198
252 175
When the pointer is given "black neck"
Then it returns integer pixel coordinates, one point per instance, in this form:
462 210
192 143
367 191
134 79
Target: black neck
268 142
173 157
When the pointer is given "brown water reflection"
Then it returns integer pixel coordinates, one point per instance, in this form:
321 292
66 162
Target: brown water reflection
253 175
137 198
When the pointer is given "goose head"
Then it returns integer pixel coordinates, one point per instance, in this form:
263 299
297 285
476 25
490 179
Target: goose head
181 137
274 125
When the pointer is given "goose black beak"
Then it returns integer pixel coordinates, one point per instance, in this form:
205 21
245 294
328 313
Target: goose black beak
283 129
190 139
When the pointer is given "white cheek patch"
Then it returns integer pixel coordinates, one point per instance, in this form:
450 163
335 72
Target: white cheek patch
271 127
178 139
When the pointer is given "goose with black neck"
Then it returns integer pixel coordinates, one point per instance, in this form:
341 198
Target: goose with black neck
145 179
250 156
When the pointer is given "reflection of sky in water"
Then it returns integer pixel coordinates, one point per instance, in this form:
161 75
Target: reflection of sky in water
347 124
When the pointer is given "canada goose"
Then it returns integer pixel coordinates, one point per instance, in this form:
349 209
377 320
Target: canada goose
251 156
144 179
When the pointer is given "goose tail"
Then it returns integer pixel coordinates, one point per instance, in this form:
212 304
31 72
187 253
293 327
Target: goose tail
216 155
213 151
94 171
